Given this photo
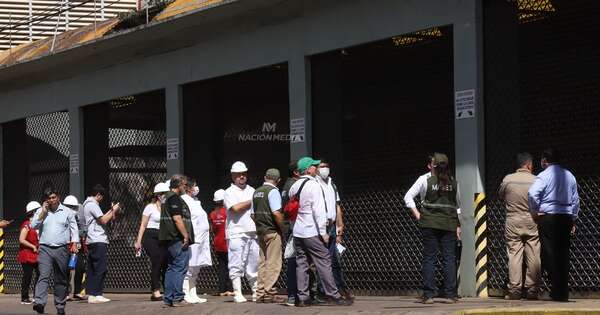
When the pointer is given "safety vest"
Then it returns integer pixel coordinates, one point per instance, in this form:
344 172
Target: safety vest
438 209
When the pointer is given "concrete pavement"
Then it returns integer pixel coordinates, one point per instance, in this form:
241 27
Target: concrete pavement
139 304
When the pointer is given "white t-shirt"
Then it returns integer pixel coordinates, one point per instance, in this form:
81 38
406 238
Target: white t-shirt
199 219
239 224
331 197
153 214
311 214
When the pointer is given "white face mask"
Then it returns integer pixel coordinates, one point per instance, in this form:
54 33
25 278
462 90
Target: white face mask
162 198
324 172
195 191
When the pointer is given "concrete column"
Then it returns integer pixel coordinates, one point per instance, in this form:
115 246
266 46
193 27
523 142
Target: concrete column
469 132
76 158
174 109
300 104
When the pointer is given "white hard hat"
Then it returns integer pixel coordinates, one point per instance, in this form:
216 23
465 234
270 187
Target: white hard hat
239 167
168 183
71 200
32 205
161 188
219 195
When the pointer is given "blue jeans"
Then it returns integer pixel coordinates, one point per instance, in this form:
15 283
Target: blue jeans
177 265
434 240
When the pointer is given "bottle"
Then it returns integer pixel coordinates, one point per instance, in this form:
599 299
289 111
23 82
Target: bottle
73 261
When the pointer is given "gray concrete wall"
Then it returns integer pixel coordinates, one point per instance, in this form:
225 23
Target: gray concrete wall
245 35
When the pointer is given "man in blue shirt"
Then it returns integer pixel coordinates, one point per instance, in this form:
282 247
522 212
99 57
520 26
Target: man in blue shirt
57 229
554 206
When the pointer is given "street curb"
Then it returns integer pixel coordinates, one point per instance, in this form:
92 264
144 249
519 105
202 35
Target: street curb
529 311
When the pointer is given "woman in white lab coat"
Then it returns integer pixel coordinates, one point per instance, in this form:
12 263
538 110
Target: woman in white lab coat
200 249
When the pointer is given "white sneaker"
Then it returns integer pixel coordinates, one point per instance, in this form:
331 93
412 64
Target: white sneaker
254 297
97 299
200 300
239 299
190 299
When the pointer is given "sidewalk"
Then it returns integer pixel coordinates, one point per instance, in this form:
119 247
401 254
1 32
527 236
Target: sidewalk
138 304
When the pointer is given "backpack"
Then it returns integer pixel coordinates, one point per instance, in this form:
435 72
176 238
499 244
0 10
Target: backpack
293 205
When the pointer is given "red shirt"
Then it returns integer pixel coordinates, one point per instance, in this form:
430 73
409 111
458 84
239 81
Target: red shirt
26 254
217 220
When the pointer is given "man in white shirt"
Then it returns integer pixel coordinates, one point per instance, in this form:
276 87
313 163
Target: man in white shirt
200 249
310 235
335 227
243 249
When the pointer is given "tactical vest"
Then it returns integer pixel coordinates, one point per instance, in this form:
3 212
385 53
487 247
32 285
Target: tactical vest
167 229
438 209
263 216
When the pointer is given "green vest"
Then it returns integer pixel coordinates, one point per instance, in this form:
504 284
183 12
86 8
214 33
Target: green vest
263 216
168 230
438 209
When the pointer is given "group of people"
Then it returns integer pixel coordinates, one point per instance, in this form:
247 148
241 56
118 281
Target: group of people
541 216
255 229
250 229
57 236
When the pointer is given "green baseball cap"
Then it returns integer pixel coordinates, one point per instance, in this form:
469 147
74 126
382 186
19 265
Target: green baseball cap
273 173
440 158
306 162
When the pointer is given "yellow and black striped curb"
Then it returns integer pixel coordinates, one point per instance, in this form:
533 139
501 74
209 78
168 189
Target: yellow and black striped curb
1 261
532 311
481 265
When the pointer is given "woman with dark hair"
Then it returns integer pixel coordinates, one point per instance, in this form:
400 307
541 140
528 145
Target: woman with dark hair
440 228
28 248
148 237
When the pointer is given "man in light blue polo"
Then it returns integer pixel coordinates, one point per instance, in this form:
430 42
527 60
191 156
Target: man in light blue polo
554 206
57 228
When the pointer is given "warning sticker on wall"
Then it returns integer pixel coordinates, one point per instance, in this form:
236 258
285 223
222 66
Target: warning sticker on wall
464 104
74 164
172 148
297 130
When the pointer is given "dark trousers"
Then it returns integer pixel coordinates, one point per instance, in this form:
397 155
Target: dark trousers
313 250
28 270
158 257
292 286
433 241
555 236
336 266
96 268
77 275
224 280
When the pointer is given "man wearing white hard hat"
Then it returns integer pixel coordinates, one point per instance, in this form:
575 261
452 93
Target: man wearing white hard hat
28 251
218 218
148 239
200 249
241 236
76 276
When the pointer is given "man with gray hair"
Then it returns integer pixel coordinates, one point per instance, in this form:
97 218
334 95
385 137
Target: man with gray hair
268 217
175 234
521 232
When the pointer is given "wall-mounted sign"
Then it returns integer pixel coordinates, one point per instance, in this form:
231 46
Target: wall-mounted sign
464 104
172 148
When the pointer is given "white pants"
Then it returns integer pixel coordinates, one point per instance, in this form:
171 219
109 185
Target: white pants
243 257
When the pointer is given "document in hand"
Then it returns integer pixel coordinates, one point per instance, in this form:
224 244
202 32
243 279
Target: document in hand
340 248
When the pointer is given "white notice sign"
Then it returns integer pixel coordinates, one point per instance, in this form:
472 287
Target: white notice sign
74 164
172 148
297 130
464 104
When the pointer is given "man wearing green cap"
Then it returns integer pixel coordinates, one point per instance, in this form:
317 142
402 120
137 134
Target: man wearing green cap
269 226
310 235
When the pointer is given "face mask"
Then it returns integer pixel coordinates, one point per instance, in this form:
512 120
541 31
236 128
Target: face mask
195 191
324 172
162 198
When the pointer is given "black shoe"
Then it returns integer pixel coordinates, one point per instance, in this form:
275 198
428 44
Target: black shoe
60 312
155 298
337 302
303 304
39 308
319 300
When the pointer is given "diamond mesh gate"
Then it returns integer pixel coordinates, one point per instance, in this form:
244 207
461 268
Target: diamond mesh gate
36 151
378 111
541 81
